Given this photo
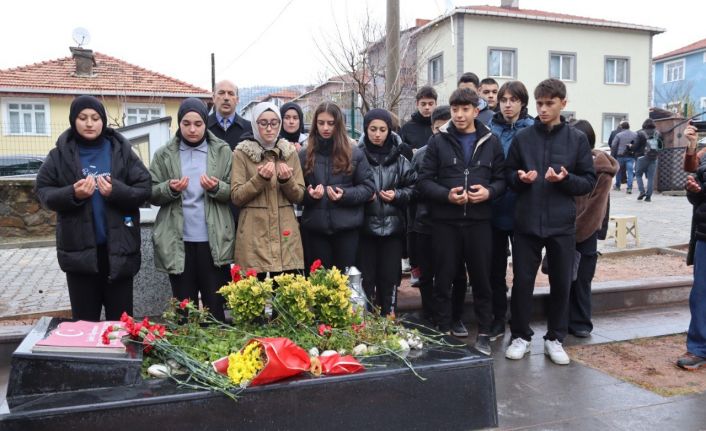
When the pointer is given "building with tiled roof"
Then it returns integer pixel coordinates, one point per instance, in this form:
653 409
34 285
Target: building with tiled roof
605 64
35 99
680 79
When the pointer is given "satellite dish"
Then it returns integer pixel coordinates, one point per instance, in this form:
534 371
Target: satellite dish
81 36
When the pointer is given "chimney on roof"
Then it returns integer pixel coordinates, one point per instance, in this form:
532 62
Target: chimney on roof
85 61
510 4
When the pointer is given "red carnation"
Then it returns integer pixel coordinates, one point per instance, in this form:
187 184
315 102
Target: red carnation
286 233
235 273
251 273
105 338
324 329
183 304
314 266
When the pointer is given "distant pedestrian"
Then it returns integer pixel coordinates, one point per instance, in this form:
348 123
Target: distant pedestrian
96 184
548 165
623 145
194 230
591 211
649 145
338 183
695 356
266 180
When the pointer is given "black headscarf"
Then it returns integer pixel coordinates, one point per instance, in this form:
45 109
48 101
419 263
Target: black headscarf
292 137
192 104
378 114
86 102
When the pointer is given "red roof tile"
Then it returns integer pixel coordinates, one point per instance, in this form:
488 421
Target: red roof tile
110 76
696 46
284 94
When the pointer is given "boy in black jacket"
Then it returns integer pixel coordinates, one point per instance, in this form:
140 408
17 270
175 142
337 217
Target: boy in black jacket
548 164
461 173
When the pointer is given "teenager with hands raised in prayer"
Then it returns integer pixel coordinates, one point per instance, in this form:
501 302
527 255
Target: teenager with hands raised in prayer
96 184
548 165
266 181
194 229
338 183
462 172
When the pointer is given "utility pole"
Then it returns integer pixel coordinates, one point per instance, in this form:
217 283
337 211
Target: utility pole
213 72
392 64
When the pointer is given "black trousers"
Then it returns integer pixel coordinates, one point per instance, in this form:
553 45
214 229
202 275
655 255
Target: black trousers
412 249
466 246
498 273
580 296
425 256
526 258
338 249
380 262
201 276
89 293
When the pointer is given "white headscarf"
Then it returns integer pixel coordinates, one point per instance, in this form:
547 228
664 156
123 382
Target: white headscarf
258 110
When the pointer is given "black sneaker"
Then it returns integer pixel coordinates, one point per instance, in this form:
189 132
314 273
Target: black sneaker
458 330
648 199
497 330
445 330
483 344
641 196
581 333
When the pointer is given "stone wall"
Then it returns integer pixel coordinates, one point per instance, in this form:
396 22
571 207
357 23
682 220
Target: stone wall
21 216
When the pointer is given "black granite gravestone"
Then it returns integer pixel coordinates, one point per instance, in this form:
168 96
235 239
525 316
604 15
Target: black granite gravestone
457 392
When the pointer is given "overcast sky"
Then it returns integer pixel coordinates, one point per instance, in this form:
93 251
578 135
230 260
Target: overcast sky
265 42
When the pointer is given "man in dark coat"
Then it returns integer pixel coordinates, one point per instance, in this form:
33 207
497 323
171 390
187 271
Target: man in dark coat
547 166
417 130
224 122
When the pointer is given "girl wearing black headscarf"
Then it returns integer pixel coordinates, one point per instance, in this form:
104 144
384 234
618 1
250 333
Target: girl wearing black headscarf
194 231
383 235
293 125
96 184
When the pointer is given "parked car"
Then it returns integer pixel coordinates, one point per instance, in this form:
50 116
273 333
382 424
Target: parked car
20 165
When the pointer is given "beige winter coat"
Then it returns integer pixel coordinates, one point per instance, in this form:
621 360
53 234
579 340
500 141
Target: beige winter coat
268 233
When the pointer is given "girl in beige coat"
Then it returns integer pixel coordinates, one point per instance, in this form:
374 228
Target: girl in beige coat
266 180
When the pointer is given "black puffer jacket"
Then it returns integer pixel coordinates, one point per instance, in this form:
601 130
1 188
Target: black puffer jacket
325 216
547 209
75 238
416 131
390 171
421 220
443 168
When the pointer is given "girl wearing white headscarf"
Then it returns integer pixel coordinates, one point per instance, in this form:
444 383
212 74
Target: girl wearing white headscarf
266 180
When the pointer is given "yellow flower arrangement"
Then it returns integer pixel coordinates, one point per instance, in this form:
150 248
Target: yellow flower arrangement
244 365
332 298
247 297
294 300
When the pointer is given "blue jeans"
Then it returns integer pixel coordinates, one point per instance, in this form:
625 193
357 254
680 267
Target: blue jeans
627 165
647 167
696 337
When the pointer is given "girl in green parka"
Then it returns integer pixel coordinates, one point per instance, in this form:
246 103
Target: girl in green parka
194 230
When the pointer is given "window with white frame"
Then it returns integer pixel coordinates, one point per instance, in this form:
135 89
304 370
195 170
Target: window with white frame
674 70
26 116
436 69
562 66
617 70
501 63
610 123
141 112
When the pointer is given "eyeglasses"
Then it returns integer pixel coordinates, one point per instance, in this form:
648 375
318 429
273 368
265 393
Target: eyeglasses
272 123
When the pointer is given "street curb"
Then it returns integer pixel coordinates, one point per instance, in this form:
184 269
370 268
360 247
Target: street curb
28 244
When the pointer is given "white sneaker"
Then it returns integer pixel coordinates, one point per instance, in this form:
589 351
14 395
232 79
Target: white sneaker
405 265
556 353
517 349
